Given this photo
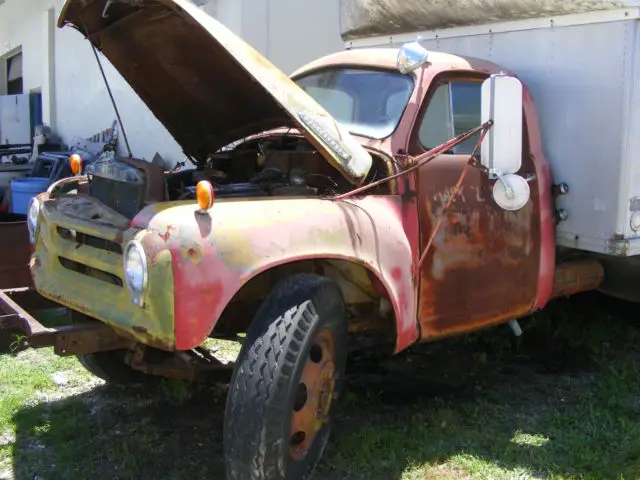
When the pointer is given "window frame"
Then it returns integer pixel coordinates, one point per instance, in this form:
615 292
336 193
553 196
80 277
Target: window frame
17 57
415 145
368 68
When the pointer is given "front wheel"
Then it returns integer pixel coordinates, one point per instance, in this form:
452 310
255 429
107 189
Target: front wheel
287 378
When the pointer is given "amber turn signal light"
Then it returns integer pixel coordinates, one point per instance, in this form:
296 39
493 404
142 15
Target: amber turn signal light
204 195
75 161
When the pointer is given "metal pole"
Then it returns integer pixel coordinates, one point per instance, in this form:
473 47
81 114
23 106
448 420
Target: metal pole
113 102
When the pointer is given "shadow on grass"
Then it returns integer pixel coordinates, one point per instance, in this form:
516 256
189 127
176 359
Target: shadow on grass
565 404
120 433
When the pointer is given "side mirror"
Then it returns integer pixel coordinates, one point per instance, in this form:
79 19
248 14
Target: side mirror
501 150
411 56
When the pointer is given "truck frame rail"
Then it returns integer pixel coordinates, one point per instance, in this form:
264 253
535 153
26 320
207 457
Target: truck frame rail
76 339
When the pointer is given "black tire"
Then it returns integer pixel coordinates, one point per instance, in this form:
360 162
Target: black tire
281 343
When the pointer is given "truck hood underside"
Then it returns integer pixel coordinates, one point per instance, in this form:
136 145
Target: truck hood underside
206 85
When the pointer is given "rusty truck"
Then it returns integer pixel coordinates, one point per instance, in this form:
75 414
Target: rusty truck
392 189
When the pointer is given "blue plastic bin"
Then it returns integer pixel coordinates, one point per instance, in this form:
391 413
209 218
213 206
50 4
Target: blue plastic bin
23 190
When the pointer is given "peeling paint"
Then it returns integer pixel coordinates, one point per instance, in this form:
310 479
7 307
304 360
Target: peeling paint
246 238
153 324
482 268
486 265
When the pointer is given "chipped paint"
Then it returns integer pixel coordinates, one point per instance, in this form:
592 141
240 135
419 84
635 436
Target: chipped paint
199 262
368 231
153 324
483 267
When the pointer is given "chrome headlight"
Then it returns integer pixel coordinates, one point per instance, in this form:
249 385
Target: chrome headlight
135 270
32 219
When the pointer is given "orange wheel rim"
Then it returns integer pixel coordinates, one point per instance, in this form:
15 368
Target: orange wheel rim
314 395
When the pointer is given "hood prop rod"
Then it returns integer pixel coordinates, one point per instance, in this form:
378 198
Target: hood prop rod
113 102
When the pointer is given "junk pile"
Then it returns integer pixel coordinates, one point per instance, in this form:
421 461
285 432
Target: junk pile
26 170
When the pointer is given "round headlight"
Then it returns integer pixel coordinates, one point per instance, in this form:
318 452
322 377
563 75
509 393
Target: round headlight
135 270
32 218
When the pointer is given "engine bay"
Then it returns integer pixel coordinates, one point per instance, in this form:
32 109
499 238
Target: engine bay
273 167
269 166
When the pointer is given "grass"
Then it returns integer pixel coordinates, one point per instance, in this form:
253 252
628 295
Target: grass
564 404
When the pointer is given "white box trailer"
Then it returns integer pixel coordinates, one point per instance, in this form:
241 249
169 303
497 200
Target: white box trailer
583 71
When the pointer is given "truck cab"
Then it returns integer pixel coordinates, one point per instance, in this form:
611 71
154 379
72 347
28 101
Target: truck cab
511 250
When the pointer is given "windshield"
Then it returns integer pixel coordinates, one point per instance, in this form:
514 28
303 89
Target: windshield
367 102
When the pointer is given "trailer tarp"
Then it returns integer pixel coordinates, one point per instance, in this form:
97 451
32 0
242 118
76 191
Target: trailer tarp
365 18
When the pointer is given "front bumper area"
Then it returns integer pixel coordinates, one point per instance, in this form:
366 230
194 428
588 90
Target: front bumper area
78 264
78 339
92 336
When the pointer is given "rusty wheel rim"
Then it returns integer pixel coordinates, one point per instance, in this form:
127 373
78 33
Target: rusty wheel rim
313 395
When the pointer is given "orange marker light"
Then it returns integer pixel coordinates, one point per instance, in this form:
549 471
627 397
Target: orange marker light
204 195
75 161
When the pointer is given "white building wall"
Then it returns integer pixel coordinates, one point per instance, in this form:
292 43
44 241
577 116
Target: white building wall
301 31
84 107
60 62
26 34
292 33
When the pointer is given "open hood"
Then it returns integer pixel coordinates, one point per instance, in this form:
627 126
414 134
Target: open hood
207 86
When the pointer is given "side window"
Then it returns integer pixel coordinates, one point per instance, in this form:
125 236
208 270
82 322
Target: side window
454 109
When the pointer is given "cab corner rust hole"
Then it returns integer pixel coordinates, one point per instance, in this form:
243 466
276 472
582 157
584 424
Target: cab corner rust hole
315 354
300 398
297 439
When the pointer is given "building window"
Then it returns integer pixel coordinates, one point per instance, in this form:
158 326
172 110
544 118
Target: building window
14 74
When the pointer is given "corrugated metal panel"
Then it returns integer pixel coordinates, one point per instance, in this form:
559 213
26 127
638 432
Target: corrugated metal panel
364 18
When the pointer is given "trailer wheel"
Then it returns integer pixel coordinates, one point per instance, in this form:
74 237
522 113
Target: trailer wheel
287 378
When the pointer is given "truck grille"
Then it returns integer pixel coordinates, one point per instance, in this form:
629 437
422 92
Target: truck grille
90 271
125 198
90 240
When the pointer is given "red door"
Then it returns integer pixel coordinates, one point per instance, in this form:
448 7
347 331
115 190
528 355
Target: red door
482 268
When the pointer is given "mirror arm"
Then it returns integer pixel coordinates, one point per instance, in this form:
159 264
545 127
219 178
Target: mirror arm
426 157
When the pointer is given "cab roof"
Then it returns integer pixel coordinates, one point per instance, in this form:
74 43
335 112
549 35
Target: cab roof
385 58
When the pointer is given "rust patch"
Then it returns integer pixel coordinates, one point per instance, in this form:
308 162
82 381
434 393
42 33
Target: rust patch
192 252
577 276
210 295
483 265
78 339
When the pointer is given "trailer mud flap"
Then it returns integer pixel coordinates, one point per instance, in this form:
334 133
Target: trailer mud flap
75 339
